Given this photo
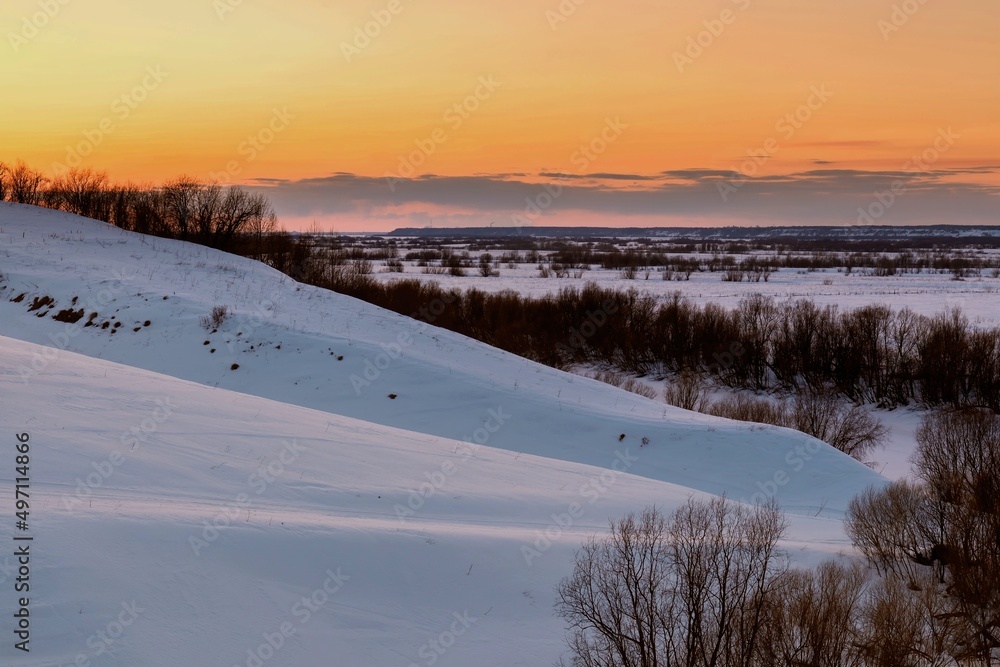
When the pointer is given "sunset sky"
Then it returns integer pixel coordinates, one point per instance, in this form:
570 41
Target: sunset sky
523 112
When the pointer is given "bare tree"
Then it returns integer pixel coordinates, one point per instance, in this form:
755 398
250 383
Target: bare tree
240 212
614 601
958 458
207 210
756 318
25 185
80 191
813 618
897 528
905 624
850 428
689 590
257 232
179 200
945 529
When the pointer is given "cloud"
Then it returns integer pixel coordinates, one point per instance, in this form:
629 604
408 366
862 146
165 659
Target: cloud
818 196
854 143
599 176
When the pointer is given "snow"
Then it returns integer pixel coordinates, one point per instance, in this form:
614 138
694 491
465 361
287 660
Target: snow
414 509
925 293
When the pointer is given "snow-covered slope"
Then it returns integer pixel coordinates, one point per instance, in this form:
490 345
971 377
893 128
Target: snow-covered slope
311 347
215 499
221 511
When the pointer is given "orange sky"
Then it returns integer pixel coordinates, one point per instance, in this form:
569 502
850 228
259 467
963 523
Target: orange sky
262 89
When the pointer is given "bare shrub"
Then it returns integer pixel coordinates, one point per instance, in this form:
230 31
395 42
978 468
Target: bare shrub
628 384
749 409
216 318
636 387
958 456
691 589
813 617
486 270
687 391
850 428
906 625
610 377
733 276
362 267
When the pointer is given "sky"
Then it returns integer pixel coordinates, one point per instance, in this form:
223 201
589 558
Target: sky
368 115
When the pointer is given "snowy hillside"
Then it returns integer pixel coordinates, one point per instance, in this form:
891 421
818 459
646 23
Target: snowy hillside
323 433
311 347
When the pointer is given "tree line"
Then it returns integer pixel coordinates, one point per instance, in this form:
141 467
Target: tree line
871 353
186 208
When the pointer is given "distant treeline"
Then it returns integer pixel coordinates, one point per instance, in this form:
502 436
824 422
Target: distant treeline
871 353
735 260
228 218
723 259
883 256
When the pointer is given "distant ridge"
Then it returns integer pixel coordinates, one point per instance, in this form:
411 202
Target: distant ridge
968 232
